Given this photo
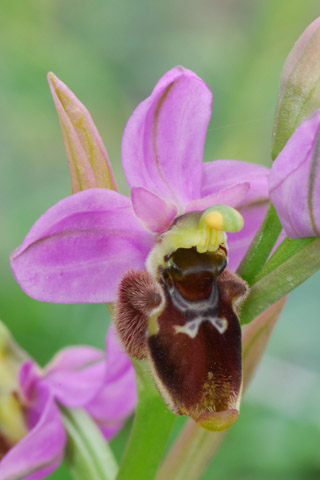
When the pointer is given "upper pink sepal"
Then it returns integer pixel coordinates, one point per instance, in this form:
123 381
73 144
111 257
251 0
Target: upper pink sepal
162 146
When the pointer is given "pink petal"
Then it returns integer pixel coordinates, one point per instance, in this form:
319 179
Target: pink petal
117 359
118 397
231 196
163 141
80 248
76 374
295 181
109 430
155 213
29 374
114 403
220 174
41 451
171 76
239 242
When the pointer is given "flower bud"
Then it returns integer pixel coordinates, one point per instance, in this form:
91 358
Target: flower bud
294 181
87 157
299 93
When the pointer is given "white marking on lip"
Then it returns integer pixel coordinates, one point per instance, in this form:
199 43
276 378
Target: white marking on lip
192 328
221 324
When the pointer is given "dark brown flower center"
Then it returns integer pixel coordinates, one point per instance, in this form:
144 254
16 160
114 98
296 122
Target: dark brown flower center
194 274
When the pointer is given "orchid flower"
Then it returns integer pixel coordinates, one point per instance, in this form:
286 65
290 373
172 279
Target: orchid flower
78 376
167 257
85 247
79 250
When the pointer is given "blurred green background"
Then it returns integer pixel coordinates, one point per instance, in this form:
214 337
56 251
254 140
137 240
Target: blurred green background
111 53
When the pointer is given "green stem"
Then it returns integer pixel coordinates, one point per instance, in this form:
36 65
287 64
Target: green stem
88 454
261 246
150 432
282 279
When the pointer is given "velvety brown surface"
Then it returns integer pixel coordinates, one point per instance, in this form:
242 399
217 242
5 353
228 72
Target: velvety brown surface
201 373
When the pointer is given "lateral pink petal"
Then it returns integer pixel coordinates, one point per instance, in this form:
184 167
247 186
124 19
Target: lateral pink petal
162 146
80 248
155 213
253 206
76 374
232 196
41 451
239 242
221 174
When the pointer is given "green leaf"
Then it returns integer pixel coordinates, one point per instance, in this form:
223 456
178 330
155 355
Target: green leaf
150 433
287 248
281 280
88 454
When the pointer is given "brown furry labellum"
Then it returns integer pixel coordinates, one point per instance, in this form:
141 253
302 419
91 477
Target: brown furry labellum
185 323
